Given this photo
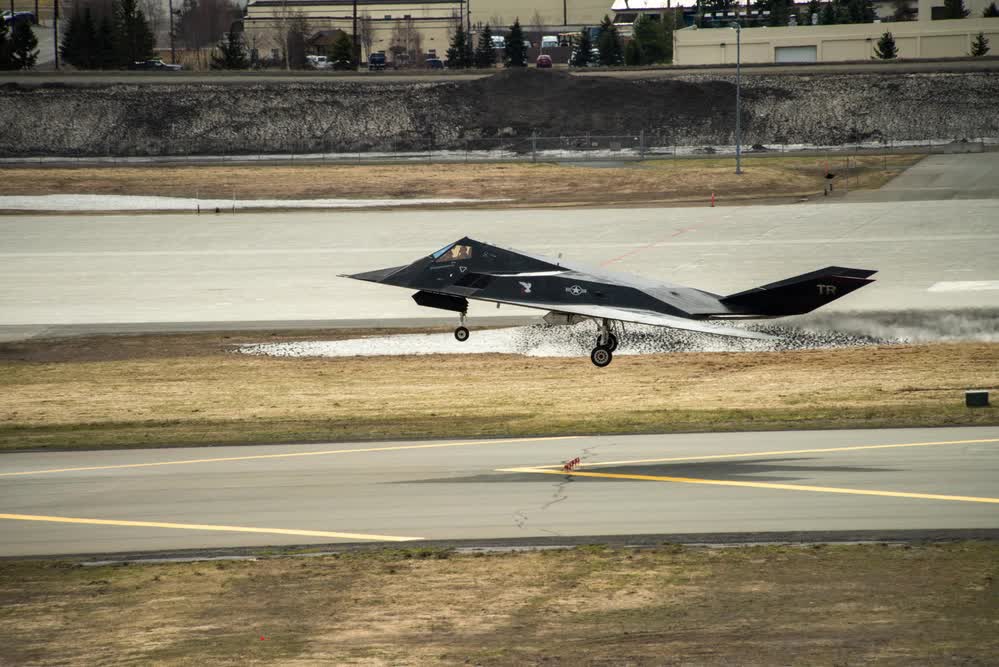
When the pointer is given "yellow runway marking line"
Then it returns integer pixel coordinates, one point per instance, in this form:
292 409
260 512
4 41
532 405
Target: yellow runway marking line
288 455
756 485
198 526
710 457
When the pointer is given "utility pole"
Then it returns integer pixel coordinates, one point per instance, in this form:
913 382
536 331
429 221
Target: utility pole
565 12
55 31
738 96
173 49
355 46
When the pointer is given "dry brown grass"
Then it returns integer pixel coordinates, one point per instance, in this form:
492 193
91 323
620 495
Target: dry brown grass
228 397
750 605
658 180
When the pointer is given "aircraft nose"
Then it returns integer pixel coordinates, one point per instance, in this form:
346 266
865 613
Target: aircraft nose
376 276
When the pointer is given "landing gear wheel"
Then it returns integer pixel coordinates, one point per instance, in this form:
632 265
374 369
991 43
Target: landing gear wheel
601 356
611 342
461 334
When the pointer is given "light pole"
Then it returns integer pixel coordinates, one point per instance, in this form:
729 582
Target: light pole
738 96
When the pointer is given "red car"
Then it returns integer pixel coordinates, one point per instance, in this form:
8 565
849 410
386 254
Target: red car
544 61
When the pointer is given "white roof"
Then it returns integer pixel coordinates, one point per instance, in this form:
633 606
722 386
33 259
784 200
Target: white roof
637 5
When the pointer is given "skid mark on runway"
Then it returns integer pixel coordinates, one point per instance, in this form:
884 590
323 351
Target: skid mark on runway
288 455
198 526
825 450
521 516
755 485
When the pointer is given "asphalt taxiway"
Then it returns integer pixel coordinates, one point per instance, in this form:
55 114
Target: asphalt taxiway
168 499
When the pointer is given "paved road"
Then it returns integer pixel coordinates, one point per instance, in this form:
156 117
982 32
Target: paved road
940 177
627 485
57 269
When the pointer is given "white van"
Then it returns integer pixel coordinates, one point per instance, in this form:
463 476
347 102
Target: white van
549 42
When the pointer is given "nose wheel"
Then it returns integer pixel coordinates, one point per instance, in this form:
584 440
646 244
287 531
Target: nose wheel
601 356
461 333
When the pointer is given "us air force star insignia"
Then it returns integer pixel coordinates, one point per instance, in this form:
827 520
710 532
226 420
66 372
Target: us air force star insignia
525 287
463 268
575 290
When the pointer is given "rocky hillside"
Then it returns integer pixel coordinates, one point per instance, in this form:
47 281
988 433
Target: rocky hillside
349 115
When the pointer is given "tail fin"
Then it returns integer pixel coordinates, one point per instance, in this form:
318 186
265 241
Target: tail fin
801 294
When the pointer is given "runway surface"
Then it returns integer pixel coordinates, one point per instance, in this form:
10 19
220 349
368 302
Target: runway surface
72 270
160 500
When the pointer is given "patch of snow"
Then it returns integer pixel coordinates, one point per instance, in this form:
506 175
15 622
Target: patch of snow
562 341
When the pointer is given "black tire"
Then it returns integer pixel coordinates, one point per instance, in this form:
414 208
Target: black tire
611 342
461 334
601 356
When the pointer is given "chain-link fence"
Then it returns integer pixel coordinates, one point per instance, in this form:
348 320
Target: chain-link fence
568 148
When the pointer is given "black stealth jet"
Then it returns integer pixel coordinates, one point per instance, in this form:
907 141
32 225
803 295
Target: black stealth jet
470 269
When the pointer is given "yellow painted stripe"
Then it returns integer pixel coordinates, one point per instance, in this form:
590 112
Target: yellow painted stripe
199 526
288 455
757 485
782 452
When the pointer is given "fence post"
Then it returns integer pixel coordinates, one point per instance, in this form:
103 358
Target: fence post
641 144
534 146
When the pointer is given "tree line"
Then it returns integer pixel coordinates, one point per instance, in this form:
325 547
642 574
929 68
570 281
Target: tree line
651 42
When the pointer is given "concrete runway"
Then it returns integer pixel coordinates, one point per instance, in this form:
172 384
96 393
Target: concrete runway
915 479
274 267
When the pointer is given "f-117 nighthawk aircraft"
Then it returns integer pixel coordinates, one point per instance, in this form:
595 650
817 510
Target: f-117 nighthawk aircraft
469 269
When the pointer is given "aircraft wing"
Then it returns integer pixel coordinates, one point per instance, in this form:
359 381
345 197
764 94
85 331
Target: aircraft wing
637 316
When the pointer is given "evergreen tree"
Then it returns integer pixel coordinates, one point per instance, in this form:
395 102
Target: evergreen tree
885 49
955 9
828 14
105 49
980 46
23 46
609 44
457 53
485 55
516 52
342 49
903 11
4 47
991 11
654 38
71 49
632 54
231 53
134 39
581 56
861 11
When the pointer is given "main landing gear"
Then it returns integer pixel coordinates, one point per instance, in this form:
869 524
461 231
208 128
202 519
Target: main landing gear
461 333
603 353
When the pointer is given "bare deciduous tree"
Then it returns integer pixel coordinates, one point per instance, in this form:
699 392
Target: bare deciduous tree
407 39
366 32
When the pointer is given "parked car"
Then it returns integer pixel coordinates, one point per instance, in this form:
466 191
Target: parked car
342 65
19 17
435 63
549 42
499 42
544 61
318 62
376 61
156 65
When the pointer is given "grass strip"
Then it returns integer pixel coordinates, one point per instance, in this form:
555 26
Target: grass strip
821 604
202 396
